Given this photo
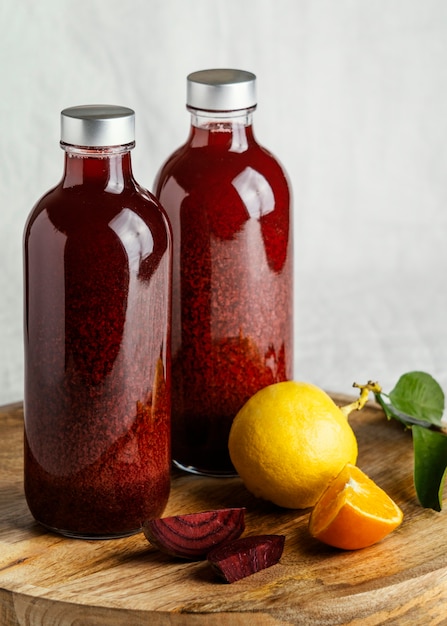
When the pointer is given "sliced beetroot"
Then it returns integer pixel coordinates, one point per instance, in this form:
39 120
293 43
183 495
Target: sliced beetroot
248 555
193 535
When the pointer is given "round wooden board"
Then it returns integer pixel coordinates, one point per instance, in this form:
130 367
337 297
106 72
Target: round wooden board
47 580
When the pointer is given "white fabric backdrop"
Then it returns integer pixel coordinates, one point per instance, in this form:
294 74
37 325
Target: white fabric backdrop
352 99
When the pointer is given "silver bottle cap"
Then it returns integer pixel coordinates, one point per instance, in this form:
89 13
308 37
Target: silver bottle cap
97 125
221 90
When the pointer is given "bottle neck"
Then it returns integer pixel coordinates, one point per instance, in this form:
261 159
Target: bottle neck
108 169
230 130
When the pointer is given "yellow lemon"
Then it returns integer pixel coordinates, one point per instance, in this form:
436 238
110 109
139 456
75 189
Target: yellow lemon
289 441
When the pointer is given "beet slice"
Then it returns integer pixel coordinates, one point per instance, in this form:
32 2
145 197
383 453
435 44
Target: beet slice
193 535
242 557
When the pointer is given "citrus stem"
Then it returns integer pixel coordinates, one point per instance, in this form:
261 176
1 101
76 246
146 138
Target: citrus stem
358 405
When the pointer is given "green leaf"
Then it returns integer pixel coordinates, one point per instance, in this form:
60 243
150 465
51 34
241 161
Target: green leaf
419 395
430 464
407 420
417 401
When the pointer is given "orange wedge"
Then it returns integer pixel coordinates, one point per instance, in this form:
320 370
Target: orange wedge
353 512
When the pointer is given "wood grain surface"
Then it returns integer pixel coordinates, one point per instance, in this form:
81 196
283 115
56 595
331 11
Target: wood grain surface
47 580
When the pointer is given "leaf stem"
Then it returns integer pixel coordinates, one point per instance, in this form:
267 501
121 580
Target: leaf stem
357 405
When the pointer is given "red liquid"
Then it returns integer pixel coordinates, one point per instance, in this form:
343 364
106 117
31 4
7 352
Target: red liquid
97 388
228 202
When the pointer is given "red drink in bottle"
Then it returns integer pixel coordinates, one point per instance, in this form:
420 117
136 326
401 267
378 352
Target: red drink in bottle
97 338
228 200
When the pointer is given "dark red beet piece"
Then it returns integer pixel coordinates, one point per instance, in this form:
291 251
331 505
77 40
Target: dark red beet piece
243 557
193 535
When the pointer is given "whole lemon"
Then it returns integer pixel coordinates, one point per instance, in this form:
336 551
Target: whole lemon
289 441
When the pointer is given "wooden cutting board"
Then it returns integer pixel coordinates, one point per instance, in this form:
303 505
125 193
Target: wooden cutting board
47 580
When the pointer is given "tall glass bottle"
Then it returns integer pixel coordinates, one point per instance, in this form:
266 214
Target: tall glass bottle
97 264
228 200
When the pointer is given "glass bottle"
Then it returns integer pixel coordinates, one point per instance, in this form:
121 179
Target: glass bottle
228 200
97 275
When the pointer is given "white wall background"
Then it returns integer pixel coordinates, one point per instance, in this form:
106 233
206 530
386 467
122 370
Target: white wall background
352 98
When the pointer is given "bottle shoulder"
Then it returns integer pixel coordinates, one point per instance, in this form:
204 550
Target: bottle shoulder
202 166
72 209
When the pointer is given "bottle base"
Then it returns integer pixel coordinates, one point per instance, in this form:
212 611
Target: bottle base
70 534
191 469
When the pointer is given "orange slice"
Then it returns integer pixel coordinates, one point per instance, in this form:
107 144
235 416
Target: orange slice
353 512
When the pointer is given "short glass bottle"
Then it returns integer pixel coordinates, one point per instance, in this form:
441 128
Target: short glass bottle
229 204
97 273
